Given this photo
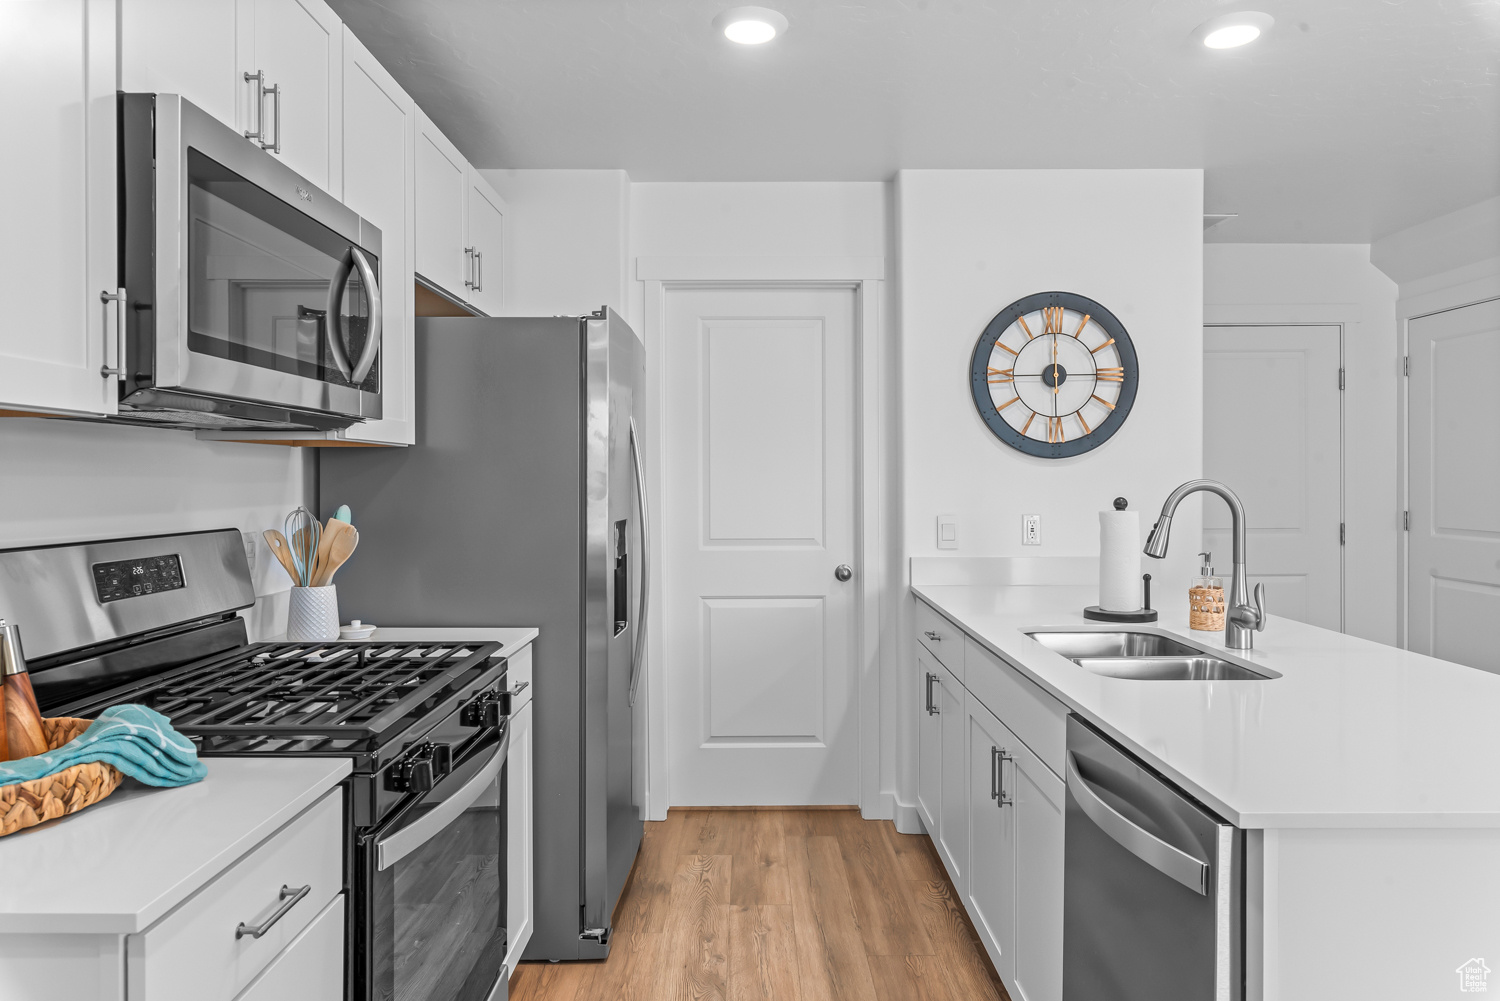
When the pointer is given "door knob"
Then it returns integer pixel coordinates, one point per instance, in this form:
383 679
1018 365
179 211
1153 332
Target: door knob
844 571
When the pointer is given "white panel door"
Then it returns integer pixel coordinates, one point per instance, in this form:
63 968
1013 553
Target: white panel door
486 230
759 474
187 47
298 45
442 256
992 838
379 131
929 744
1037 810
520 866
1453 555
953 813
57 70
1272 430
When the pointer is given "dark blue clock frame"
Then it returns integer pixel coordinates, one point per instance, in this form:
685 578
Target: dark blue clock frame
979 374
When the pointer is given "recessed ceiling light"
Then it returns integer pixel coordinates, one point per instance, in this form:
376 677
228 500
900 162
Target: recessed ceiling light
1229 31
751 25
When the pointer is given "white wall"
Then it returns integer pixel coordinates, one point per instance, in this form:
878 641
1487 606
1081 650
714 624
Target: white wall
973 241
1335 283
67 481
565 240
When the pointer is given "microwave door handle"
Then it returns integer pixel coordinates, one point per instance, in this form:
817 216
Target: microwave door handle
640 622
333 330
372 341
1190 871
396 846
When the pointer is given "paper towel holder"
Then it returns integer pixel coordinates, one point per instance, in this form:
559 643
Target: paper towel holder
1143 614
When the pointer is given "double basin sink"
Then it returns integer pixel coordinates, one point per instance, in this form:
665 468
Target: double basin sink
1142 656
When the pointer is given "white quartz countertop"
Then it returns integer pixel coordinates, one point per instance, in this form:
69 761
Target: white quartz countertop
1353 734
121 864
510 638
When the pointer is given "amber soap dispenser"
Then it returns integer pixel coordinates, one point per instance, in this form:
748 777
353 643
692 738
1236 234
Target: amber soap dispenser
1206 598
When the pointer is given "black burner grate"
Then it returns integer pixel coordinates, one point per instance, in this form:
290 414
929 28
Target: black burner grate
306 697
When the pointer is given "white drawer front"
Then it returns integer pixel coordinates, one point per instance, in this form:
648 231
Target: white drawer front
518 675
942 639
193 953
311 968
1033 715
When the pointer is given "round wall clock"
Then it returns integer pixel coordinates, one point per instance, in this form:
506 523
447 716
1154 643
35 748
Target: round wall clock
1054 374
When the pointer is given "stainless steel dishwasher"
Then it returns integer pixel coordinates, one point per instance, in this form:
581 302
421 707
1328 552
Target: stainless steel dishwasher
1153 894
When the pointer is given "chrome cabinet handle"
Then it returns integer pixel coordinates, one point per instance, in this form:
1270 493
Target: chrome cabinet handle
478 271
275 91
1167 859
118 369
640 622
1002 798
516 690
291 898
994 772
469 281
259 79
932 636
932 710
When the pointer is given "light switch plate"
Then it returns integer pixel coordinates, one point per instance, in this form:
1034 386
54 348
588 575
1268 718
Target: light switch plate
947 531
249 538
1031 530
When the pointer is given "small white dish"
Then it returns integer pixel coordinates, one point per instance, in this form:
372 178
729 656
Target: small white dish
356 630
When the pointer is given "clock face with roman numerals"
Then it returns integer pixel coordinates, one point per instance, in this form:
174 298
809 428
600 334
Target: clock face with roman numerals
1054 374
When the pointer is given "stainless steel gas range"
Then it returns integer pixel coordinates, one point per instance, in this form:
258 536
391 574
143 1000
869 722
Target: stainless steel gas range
426 725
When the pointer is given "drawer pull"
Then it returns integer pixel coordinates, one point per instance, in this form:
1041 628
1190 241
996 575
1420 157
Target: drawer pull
933 636
287 894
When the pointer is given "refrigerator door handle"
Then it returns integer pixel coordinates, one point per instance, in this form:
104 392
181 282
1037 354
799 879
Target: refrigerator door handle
645 603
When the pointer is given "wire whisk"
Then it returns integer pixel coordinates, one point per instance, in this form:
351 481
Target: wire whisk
303 534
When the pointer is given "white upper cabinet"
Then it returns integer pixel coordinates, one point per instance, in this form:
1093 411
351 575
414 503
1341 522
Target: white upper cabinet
291 50
460 224
379 137
442 179
57 68
186 47
486 215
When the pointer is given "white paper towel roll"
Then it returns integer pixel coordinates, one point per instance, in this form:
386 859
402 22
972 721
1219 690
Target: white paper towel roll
1119 561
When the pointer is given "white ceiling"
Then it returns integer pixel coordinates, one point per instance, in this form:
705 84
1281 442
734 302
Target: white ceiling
1351 119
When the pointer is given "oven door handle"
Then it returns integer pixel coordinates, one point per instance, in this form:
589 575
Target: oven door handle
355 372
399 844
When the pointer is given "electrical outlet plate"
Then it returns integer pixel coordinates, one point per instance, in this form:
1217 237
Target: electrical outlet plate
249 538
1031 530
947 531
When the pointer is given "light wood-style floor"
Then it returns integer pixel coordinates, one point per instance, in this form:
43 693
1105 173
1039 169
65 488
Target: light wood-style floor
796 905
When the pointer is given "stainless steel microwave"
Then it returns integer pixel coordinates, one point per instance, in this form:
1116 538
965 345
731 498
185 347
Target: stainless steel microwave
253 297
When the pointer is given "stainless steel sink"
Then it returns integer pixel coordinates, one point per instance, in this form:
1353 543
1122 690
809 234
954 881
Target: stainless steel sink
1142 656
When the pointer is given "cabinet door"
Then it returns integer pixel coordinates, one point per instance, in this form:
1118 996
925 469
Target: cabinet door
311 968
1040 805
520 906
57 69
486 213
298 45
930 743
442 254
992 846
187 47
953 824
378 135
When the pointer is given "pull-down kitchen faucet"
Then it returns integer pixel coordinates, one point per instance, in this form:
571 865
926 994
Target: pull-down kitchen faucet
1244 619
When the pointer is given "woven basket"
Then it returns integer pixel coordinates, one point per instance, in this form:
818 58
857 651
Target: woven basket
27 804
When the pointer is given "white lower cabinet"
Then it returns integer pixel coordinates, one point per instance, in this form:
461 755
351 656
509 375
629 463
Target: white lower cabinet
520 848
995 812
306 970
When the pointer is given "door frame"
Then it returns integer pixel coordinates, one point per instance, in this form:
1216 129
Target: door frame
1222 316
1430 301
865 277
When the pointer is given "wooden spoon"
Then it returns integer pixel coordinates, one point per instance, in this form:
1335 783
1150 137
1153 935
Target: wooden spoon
282 551
341 538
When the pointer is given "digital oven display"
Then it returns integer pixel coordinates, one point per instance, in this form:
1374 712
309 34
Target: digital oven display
133 578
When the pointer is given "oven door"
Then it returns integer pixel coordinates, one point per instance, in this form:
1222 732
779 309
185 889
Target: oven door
434 889
246 282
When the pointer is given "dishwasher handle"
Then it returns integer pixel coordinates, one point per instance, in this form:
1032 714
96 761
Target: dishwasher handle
1189 870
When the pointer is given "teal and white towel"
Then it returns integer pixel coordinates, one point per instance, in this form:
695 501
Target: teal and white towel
138 741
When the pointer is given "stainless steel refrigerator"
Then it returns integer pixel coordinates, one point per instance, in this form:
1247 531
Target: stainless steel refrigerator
521 504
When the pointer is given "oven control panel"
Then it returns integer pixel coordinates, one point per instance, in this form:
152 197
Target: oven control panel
133 578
